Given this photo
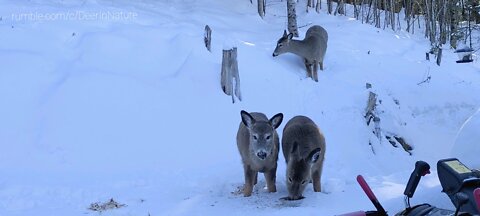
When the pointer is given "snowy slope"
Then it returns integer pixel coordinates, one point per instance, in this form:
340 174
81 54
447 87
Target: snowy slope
466 141
132 108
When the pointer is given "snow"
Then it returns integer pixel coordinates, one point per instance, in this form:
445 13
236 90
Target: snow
466 142
131 109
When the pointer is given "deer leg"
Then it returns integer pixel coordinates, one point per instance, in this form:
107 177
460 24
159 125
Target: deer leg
321 65
249 180
315 71
270 176
308 67
256 178
316 178
317 187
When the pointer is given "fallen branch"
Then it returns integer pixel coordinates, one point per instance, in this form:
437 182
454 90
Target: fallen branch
408 148
427 80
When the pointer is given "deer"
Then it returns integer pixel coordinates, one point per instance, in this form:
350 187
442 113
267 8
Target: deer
258 144
303 146
312 48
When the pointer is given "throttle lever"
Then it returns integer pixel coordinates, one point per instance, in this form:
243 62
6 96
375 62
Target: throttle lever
422 168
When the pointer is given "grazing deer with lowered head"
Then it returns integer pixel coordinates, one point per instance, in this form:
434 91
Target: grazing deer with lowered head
258 144
312 48
303 147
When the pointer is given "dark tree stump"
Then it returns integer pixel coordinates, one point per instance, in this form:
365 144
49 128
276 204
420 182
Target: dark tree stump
208 38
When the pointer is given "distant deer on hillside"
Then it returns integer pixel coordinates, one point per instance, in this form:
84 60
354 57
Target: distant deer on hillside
312 48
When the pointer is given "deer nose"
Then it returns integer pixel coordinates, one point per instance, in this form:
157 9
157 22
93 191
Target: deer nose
262 155
274 55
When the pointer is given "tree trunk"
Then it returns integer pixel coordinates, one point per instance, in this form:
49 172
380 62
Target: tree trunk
330 6
427 20
363 6
385 10
292 18
310 3
340 7
442 20
261 8
369 12
408 13
356 13
439 56
454 20
376 13
392 13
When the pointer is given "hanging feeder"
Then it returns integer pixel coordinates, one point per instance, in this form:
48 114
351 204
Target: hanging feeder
464 55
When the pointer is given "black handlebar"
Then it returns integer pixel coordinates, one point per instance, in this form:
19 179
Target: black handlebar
421 169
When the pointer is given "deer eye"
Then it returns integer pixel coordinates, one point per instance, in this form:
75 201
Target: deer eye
280 45
268 137
303 182
255 137
289 179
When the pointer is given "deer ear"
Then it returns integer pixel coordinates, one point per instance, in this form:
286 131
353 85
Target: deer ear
276 120
290 36
284 33
247 119
314 155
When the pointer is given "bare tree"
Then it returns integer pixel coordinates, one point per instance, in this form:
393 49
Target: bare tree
443 21
455 16
330 6
435 26
356 11
393 11
377 12
292 18
310 3
340 7
409 13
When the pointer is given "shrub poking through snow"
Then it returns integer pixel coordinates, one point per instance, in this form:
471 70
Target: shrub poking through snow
100 207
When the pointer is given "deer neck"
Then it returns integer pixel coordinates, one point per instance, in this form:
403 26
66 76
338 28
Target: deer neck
298 47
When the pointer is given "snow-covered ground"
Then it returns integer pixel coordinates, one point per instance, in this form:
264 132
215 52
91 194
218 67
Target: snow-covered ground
105 99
